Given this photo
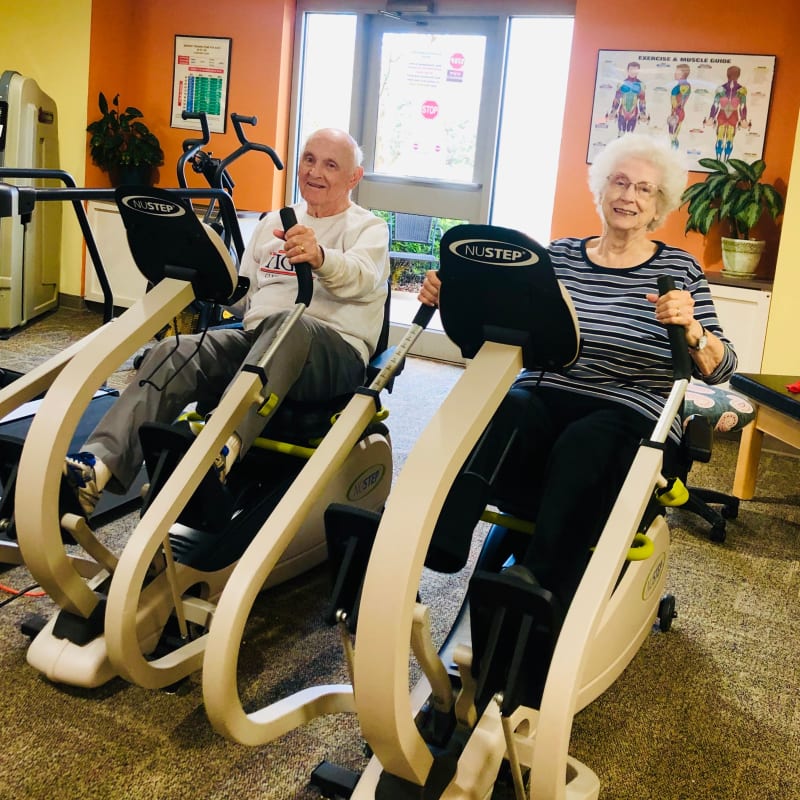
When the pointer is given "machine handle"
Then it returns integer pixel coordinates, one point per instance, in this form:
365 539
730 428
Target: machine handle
305 283
246 145
681 361
192 146
237 120
424 315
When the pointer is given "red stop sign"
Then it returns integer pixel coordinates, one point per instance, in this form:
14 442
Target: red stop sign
457 60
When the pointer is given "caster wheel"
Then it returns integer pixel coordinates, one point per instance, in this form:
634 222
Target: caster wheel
730 511
666 612
718 532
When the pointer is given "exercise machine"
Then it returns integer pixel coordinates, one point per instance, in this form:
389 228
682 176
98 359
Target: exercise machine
307 497
470 717
145 615
220 690
21 394
30 248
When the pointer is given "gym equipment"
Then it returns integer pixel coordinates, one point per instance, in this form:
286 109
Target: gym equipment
30 247
307 498
220 691
451 735
359 470
215 171
145 615
70 379
21 394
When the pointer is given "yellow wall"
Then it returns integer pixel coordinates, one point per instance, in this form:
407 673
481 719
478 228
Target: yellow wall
48 40
781 349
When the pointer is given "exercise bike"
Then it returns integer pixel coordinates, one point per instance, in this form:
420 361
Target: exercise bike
217 175
470 717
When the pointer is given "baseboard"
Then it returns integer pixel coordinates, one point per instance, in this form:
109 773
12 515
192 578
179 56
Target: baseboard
71 301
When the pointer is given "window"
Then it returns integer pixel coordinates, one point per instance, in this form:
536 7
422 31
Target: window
459 117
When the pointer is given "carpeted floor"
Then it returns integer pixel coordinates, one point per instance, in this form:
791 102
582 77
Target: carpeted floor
710 710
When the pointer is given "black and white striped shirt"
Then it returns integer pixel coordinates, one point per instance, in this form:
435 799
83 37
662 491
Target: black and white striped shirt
625 355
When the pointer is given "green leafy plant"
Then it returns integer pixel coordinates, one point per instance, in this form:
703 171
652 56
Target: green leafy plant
120 140
732 194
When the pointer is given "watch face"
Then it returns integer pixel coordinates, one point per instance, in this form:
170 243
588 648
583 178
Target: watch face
702 342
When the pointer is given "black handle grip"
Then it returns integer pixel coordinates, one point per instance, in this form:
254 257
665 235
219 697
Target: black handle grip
681 361
424 315
305 283
237 120
191 147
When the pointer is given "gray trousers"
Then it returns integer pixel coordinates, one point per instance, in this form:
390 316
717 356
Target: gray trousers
312 364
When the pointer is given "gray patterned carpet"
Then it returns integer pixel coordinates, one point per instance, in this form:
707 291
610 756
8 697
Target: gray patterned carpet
710 710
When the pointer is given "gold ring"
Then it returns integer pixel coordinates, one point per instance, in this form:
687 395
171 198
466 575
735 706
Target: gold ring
302 249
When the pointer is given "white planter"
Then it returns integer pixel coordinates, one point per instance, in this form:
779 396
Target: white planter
741 256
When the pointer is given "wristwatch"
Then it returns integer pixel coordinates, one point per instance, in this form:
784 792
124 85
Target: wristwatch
702 341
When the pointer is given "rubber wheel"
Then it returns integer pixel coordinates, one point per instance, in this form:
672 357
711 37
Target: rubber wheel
666 612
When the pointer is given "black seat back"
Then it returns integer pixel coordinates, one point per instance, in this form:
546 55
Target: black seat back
168 240
498 285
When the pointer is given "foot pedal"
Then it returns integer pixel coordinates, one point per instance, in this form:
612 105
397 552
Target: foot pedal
350 533
515 626
334 781
211 506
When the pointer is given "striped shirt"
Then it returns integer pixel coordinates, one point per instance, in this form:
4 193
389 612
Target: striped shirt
625 355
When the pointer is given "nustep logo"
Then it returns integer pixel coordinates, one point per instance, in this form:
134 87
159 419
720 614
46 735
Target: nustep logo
366 482
153 205
490 251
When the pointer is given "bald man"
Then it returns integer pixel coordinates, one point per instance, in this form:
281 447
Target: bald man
323 357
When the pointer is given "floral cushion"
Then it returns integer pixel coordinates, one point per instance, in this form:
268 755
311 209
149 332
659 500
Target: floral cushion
726 410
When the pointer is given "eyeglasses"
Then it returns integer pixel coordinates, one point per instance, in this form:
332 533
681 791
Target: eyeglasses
644 189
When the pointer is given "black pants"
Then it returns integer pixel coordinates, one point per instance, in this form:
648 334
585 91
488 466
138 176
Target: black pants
567 463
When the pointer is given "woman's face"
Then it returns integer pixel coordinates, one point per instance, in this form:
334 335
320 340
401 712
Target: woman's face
629 201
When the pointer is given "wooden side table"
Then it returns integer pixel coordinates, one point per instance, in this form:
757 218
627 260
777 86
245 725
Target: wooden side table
777 413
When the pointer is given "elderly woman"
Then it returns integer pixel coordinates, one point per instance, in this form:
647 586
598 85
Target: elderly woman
577 432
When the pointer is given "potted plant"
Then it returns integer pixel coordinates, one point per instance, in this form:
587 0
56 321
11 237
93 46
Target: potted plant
733 195
122 145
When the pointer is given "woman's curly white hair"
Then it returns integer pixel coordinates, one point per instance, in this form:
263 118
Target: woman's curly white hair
657 152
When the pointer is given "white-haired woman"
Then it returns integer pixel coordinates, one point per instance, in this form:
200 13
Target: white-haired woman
577 432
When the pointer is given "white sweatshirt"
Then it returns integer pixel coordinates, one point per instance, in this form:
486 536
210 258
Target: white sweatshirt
349 289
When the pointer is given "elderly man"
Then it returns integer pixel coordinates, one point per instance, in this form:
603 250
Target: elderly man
325 354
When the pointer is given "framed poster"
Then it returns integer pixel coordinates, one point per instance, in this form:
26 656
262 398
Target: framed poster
200 75
708 105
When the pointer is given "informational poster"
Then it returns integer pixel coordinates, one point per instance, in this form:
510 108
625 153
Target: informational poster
708 105
429 102
201 72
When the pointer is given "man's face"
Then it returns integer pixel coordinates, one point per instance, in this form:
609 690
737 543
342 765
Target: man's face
327 173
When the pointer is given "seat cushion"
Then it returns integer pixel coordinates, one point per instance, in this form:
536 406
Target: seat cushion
724 408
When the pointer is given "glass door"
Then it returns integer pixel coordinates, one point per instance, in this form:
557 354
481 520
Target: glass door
427 130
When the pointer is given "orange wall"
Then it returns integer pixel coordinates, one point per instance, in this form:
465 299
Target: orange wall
733 27
132 45
132 48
